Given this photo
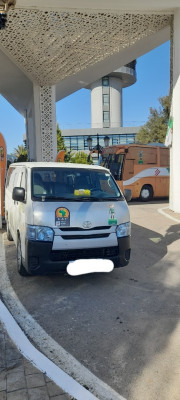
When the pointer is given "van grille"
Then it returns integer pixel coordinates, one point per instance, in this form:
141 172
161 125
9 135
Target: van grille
67 255
96 228
95 236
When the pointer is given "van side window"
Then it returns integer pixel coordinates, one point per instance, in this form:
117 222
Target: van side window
9 175
23 181
11 180
16 179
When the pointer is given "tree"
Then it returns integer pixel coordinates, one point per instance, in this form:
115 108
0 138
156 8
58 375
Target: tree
78 158
60 139
20 153
156 127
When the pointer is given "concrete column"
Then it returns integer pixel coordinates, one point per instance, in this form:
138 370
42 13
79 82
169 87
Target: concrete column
44 124
175 150
30 131
115 102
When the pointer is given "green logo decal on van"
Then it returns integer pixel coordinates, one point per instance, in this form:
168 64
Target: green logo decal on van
112 220
62 217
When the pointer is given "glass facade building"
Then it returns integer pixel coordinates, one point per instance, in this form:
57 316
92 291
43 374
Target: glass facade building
79 143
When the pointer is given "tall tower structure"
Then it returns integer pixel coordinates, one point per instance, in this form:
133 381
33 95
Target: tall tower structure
106 97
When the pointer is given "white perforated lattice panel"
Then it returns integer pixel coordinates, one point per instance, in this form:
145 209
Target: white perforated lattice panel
47 122
52 45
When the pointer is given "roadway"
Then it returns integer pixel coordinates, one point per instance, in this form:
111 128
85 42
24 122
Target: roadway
123 326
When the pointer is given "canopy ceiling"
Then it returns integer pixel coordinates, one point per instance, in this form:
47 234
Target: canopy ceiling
70 47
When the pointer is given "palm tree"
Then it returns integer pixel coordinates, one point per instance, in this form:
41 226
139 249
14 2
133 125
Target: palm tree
20 153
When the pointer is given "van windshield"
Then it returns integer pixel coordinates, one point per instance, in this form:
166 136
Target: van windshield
73 184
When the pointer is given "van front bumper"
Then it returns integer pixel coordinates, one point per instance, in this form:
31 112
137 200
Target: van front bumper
41 259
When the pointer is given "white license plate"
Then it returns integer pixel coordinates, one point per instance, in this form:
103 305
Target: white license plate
81 267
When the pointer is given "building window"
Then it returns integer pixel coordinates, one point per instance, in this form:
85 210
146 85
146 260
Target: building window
105 81
74 143
123 139
106 116
67 142
105 99
131 138
115 140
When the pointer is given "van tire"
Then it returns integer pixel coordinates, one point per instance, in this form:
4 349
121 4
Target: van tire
146 193
22 271
9 236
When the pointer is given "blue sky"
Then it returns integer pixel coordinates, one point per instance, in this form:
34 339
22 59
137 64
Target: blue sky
74 111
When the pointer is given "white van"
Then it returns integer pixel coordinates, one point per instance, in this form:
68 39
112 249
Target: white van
60 212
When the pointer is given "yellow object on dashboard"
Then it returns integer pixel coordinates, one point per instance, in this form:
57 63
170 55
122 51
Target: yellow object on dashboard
82 192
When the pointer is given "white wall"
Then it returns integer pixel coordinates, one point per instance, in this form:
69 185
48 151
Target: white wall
96 105
115 102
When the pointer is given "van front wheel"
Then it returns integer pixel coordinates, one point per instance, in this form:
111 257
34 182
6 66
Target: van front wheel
146 193
22 271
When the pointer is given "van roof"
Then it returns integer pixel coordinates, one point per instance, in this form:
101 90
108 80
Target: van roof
57 165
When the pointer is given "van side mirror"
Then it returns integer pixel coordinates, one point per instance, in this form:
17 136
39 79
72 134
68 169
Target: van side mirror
18 194
128 194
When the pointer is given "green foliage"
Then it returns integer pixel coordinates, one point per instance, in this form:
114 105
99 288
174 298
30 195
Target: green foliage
20 153
156 127
67 157
60 140
78 158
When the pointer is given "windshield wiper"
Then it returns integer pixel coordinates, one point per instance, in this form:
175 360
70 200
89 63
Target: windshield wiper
45 197
78 198
89 198
112 198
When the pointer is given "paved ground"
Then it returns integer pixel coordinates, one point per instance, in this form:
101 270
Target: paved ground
20 380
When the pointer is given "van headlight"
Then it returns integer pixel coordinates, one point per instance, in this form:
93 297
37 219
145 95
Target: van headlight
40 233
123 230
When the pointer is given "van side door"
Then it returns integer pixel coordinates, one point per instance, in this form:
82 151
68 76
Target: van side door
22 210
10 204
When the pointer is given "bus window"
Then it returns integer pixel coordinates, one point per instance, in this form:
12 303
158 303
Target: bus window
116 166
